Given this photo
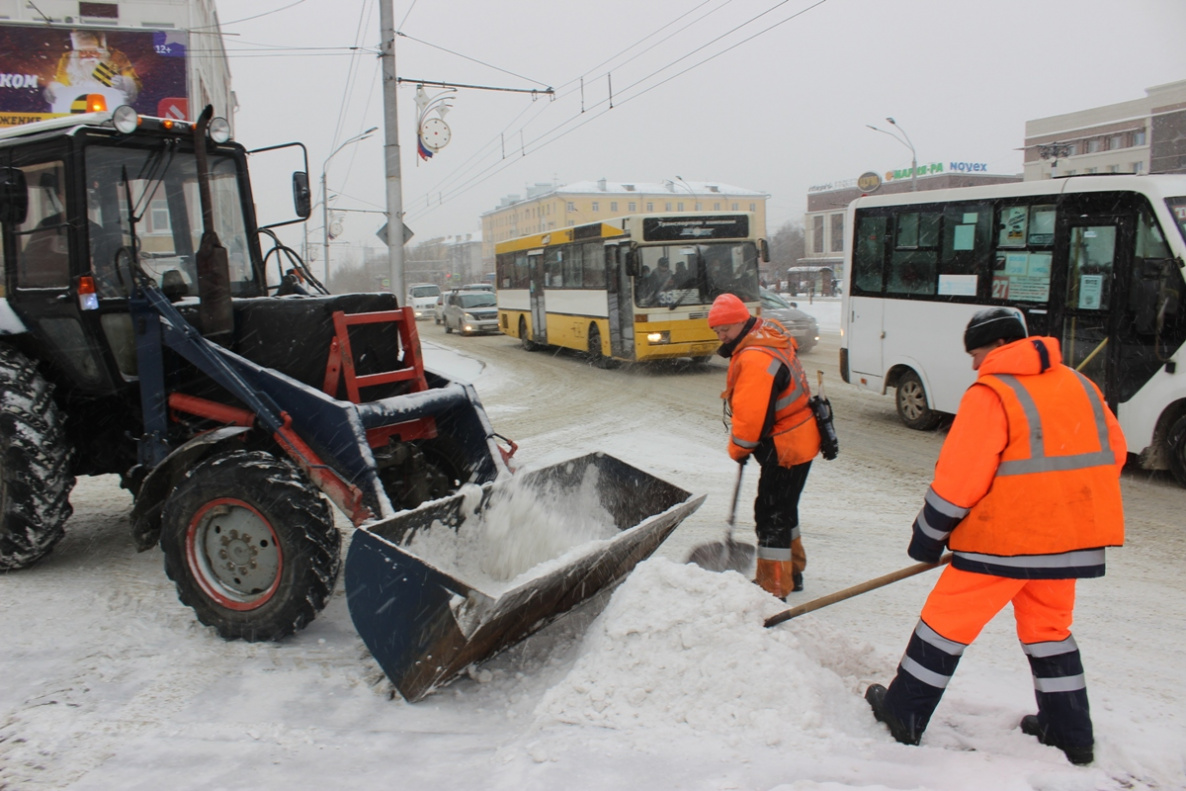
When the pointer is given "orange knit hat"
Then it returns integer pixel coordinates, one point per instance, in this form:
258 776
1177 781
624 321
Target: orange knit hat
727 309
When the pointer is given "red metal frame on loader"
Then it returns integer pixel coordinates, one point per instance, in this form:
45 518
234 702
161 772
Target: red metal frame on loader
339 367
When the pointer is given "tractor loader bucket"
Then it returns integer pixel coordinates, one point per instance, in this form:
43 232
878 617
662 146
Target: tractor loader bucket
424 626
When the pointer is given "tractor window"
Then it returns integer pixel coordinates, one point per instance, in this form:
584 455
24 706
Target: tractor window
43 251
161 189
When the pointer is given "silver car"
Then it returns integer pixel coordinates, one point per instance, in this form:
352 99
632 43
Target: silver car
470 312
802 327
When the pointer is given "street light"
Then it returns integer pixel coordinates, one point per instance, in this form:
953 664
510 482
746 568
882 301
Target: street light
904 140
325 196
688 187
1054 151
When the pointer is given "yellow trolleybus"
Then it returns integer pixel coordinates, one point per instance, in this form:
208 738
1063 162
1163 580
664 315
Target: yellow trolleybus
632 288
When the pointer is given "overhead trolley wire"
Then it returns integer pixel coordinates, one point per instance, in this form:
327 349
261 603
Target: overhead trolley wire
462 168
541 141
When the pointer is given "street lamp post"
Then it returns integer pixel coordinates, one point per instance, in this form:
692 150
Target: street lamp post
325 196
688 187
904 140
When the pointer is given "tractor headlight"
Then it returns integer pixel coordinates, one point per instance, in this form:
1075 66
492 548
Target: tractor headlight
219 130
125 119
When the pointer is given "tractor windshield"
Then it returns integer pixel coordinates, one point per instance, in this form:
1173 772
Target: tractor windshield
161 188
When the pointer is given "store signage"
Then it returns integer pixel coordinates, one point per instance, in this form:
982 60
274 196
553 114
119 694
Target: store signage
869 182
871 177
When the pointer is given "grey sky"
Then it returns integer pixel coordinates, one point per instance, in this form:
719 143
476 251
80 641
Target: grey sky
692 97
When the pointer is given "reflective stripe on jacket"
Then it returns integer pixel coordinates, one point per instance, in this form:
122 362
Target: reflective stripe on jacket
1051 451
753 370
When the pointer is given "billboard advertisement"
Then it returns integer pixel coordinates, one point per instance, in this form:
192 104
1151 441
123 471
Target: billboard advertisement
47 72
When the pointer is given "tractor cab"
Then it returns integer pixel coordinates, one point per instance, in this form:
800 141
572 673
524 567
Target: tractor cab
101 190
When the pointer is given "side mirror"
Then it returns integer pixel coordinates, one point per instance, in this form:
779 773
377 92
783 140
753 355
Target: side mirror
302 199
14 196
632 263
763 251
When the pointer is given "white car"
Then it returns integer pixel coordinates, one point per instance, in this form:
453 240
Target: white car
422 297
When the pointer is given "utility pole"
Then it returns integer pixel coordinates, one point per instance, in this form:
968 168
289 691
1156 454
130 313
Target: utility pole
395 200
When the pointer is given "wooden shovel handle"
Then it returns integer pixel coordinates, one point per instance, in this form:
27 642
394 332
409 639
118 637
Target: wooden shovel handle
855 590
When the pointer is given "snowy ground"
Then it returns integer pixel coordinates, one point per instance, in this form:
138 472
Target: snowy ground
108 682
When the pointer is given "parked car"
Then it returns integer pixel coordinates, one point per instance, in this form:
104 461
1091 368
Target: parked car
422 297
479 287
802 326
471 312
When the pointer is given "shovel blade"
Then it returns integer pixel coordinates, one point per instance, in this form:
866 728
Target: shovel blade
725 555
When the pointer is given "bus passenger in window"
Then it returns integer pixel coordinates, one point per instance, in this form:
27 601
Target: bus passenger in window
661 278
767 394
1026 494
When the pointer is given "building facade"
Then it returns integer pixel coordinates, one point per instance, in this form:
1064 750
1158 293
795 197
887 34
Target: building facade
1146 135
448 261
547 206
163 57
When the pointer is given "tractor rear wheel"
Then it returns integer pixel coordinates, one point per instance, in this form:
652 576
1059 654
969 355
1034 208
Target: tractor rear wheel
250 545
35 458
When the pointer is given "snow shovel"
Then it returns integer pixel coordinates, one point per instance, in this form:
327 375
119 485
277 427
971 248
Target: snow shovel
727 555
855 590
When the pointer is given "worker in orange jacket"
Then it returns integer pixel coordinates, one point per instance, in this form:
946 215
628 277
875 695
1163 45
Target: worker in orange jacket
1026 495
767 395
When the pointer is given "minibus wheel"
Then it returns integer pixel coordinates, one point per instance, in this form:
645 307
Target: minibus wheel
912 403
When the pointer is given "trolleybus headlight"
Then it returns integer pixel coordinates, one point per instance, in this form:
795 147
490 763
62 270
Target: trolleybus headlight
659 337
219 130
125 119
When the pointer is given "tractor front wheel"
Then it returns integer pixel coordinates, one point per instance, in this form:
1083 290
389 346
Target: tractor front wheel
250 545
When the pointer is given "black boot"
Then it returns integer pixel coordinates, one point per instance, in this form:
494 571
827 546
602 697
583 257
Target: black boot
796 581
1078 755
875 694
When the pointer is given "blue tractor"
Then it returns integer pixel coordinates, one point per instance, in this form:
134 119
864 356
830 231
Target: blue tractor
151 329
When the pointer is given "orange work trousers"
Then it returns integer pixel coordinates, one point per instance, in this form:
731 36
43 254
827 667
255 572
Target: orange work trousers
963 602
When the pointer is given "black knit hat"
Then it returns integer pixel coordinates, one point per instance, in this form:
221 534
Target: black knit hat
992 324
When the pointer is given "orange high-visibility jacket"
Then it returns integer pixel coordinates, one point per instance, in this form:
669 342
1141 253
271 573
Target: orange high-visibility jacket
1028 482
752 370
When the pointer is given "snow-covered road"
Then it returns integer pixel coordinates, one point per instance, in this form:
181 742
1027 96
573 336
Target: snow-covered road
109 682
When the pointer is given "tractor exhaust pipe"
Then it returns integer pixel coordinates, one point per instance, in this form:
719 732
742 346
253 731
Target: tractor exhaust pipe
216 319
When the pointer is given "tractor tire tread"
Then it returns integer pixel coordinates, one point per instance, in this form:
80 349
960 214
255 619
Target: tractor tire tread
304 526
35 464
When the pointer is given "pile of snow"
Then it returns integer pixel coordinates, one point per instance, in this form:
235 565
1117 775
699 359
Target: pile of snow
682 648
